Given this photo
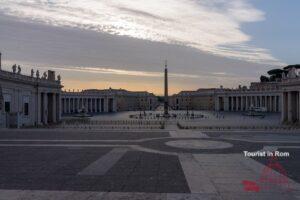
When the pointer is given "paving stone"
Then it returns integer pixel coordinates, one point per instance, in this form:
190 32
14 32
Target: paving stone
256 196
133 196
46 172
193 197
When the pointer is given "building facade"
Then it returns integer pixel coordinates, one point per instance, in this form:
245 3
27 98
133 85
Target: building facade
201 99
106 101
290 85
29 100
266 96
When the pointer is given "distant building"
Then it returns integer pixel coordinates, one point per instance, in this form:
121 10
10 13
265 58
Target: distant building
107 100
201 99
265 95
29 100
290 85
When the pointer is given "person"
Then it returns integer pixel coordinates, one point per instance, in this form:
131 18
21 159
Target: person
37 74
19 69
14 68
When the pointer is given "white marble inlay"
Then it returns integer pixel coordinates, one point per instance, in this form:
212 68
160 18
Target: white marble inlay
198 144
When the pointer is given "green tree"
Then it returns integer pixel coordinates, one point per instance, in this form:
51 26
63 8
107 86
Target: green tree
264 79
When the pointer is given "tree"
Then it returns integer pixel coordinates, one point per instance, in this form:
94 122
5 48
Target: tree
277 73
273 78
297 66
264 79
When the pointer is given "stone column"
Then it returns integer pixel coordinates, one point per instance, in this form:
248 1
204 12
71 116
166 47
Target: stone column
260 99
64 105
74 105
290 109
106 104
270 103
299 106
59 107
88 108
217 103
114 105
226 104
98 105
69 105
250 102
86 102
90 105
283 107
39 108
243 103
45 108
54 107
232 104
77 104
95 105
274 103
236 103
102 104
247 103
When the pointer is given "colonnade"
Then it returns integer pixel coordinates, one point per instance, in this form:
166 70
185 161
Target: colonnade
89 105
271 103
48 107
291 106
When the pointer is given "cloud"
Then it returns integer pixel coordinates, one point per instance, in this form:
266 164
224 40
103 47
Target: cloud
213 26
105 70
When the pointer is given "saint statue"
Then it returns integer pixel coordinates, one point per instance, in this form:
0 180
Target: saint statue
19 69
14 68
32 72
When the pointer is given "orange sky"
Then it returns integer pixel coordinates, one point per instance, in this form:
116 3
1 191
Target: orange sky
156 89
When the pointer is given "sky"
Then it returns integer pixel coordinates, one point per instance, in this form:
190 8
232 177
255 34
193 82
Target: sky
123 43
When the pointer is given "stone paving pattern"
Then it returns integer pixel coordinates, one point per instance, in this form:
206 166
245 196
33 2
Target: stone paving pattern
39 165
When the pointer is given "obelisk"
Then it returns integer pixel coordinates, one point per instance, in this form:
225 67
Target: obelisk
166 98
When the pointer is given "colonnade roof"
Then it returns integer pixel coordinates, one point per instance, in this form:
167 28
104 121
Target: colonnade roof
110 92
30 80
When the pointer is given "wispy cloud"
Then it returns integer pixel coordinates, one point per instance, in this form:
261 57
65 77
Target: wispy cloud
212 26
112 71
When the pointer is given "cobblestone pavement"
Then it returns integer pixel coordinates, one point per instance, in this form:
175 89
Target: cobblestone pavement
171 164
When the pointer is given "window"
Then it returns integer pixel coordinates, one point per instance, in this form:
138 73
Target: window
26 109
26 105
7 106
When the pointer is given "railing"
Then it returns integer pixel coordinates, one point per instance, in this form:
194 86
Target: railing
21 77
291 80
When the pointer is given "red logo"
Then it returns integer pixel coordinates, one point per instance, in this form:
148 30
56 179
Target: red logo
273 176
250 186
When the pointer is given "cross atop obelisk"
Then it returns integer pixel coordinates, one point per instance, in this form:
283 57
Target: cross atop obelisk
166 98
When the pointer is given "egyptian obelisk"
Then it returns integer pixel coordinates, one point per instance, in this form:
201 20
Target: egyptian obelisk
166 98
